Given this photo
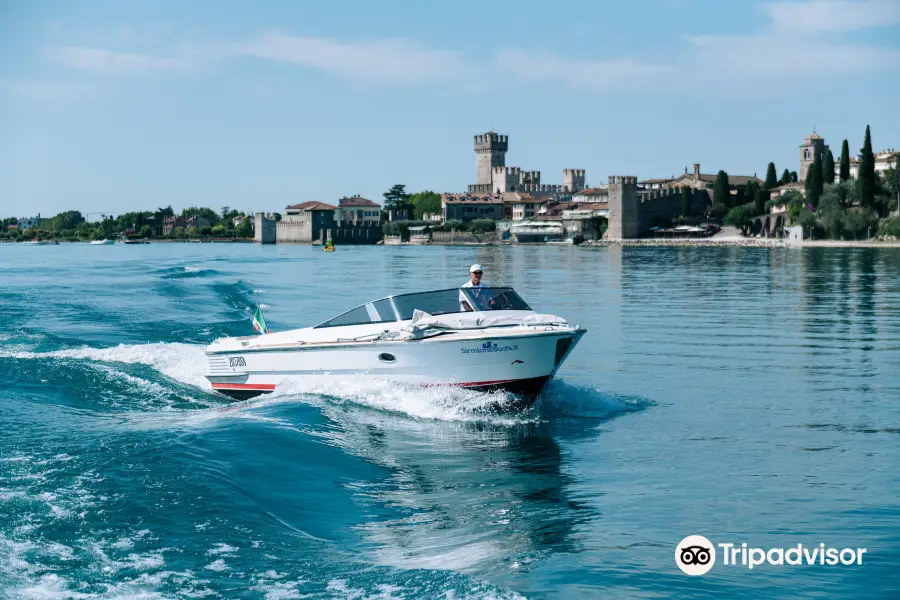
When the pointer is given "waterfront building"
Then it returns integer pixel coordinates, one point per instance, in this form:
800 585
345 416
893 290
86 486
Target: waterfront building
700 181
316 215
591 195
518 206
28 222
358 211
468 207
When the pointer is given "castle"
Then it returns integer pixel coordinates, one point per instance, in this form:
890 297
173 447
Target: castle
494 177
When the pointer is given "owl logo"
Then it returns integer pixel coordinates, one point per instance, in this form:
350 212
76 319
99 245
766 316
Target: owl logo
695 555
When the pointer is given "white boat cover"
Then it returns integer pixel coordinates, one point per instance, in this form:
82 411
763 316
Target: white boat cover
421 320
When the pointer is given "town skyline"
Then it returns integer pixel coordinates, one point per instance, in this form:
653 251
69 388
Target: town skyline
116 108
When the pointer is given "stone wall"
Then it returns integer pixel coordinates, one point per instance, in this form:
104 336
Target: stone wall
461 237
264 229
353 235
632 211
294 232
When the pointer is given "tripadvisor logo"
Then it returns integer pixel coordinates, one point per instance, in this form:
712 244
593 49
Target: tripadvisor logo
696 555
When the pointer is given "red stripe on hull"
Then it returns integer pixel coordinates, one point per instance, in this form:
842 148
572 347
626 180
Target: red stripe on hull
259 387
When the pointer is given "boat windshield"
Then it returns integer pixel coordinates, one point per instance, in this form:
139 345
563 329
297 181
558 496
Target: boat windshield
441 302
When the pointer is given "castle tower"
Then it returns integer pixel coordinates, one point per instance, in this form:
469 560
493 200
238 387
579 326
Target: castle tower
505 179
573 180
812 146
490 152
531 178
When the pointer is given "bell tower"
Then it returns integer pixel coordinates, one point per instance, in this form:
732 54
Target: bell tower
814 145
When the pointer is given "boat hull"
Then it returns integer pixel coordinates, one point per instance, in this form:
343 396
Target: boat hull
520 363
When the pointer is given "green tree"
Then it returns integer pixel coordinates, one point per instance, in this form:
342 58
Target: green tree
741 217
244 229
482 225
828 168
425 202
191 232
686 195
866 182
759 201
396 198
771 177
814 181
794 178
202 212
750 190
721 192
785 177
845 161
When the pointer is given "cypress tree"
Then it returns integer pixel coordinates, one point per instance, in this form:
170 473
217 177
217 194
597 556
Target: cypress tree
686 201
828 168
750 190
785 177
721 193
794 178
866 181
771 177
814 182
845 161
759 201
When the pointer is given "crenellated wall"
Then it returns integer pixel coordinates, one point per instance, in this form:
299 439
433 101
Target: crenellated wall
264 229
632 210
573 180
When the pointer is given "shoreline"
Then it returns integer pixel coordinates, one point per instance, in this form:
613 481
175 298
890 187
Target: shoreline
747 243
705 242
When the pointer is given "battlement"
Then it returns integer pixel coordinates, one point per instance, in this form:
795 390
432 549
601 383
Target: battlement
491 141
506 170
573 172
538 187
660 194
622 180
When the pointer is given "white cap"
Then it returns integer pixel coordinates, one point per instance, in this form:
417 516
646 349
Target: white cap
474 268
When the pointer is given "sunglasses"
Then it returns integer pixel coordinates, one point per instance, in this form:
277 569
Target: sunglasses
476 272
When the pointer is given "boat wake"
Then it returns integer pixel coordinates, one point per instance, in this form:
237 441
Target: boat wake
185 364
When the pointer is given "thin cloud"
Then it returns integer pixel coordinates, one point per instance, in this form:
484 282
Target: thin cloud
103 61
825 16
787 56
374 61
597 75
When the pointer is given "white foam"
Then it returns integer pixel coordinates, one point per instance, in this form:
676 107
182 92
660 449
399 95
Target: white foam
182 362
222 549
445 403
216 565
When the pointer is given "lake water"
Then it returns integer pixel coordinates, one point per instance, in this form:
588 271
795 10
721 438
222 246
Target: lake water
751 395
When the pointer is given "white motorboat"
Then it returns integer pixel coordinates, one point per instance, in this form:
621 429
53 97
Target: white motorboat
481 338
103 242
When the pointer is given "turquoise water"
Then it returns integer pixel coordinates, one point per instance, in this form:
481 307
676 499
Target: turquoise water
745 394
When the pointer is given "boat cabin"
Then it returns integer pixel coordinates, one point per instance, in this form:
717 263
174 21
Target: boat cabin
441 302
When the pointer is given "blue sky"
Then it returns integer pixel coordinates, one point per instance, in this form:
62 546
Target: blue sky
110 106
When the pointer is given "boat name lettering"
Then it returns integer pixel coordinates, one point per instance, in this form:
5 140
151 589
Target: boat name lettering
237 361
490 347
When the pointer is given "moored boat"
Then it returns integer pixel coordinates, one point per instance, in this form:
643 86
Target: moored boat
479 338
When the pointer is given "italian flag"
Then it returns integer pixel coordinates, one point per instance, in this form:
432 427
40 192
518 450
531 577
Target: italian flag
259 322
